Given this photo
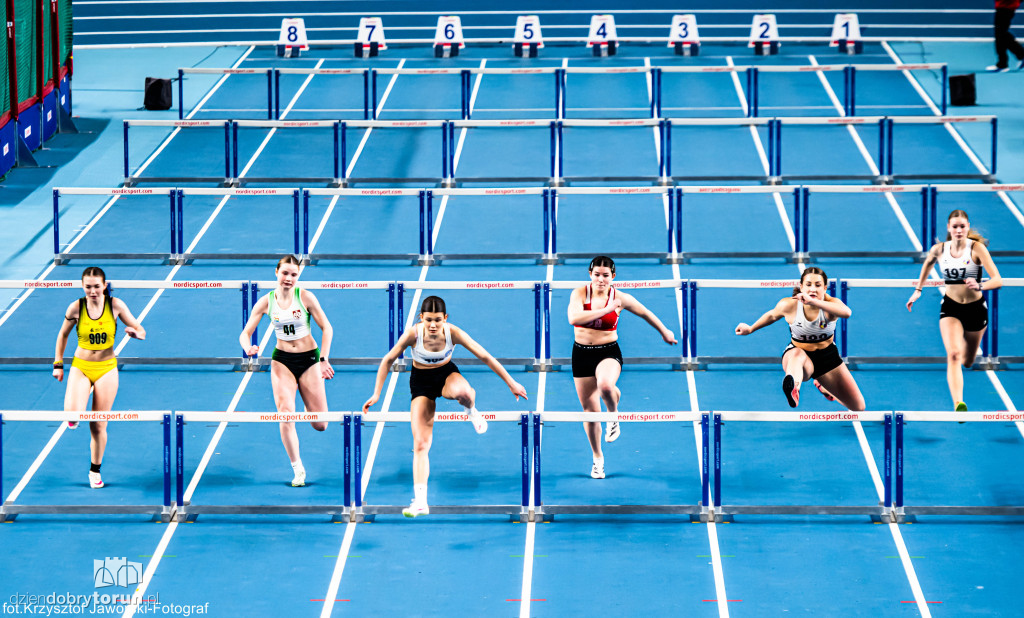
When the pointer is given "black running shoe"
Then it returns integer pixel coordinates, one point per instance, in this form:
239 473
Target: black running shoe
790 390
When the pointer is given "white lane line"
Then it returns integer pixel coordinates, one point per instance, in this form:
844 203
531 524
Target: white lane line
907 228
908 567
198 106
24 481
1010 205
691 386
780 207
332 592
154 562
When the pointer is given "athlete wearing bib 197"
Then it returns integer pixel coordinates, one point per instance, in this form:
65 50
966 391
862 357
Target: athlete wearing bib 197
956 271
963 316
292 324
430 382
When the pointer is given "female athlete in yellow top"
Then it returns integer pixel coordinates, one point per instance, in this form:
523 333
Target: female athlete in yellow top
94 367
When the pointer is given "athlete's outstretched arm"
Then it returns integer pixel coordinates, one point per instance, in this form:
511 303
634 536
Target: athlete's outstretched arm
462 338
631 304
772 316
407 339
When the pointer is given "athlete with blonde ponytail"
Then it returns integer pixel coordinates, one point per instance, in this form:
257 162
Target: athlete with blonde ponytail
964 314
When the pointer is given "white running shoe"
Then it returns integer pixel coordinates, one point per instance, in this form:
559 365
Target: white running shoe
479 423
72 424
95 480
611 433
300 477
597 472
415 509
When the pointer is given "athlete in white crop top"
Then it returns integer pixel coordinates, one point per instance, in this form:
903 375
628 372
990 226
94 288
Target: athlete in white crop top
434 374
297 364
812 353
963 315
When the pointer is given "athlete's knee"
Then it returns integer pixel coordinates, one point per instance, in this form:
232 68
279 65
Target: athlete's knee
465 395
606 386
857 405
955 356
319 426
421 445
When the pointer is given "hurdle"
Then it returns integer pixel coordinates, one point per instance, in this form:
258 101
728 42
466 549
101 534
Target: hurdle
883 512
10 510
362 511
699 511
340 128
187 510
131 179
989 359
270 73
369 113
908 513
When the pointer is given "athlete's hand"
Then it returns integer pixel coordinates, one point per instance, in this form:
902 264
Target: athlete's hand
326 370
58 372
669 337
913 299
369 402
615 305
743 329
254 350
972 284
518 390
134 334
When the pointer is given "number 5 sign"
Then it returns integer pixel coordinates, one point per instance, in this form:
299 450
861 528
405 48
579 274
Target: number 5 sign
528 38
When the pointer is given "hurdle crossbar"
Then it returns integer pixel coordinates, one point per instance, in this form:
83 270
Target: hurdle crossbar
10 510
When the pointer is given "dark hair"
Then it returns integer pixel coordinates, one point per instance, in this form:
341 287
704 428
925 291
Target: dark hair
94 271
810 270
288 259
602 260
433 304
972 233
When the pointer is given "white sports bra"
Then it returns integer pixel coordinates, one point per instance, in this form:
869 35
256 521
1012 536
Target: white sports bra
806 331
424 356
958 269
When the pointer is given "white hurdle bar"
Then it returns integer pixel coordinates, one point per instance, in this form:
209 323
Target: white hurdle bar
8 510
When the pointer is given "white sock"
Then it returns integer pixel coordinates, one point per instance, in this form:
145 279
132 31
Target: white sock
599 461
420 492
471 411
297 464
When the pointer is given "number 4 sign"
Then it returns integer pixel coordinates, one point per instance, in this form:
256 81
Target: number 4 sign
602 37
764 35
293 38
684 36
448 36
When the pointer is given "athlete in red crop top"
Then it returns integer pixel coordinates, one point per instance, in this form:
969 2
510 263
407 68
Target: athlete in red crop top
596 359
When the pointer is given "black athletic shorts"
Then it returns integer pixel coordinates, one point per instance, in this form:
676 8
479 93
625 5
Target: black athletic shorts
297 362
585 358
973 316
430 382
823 360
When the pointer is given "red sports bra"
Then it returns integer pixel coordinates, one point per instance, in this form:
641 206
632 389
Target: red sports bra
608 321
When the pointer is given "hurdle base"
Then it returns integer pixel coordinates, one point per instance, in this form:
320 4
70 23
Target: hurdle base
766 49
551 258
525 50
687 49
190 513
603 50
426 260
288 51
728 512
446 50
851 47
366 51
9 512
773 180
546 513
369 513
